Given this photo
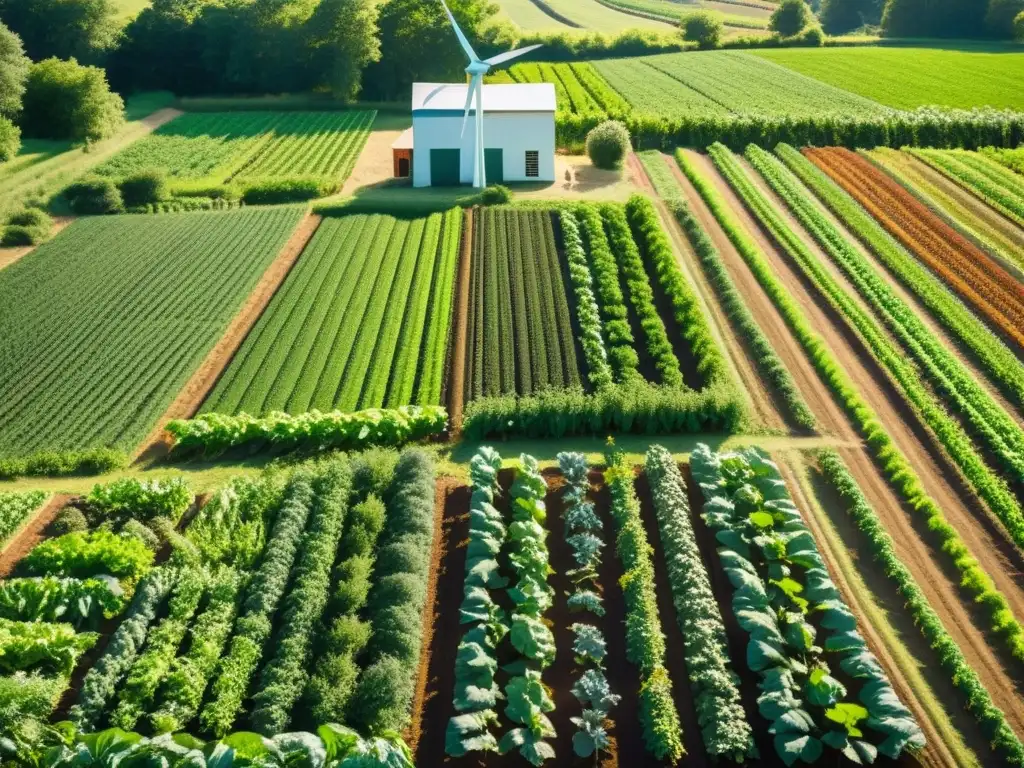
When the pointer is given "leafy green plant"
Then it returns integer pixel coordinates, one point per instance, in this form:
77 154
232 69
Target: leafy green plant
83 555
80 603
528 705
15 509
231 528
27 646
141 499
723 722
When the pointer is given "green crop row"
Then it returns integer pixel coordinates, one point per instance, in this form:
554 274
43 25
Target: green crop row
214 433
893 463
723 722
949 432
645 641
977 699
254 626
283 677
430 380
641 297
1001 364
801 630
612 304
109 351
587 312
691 324
79 602
15 508
977 174
768 361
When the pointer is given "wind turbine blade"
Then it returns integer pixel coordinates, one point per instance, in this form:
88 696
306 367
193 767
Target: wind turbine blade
501 58
469 101
458 33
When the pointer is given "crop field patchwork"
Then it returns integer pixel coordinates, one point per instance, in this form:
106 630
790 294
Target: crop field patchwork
649 90
101 327
361 322
988 180
214 148
906 78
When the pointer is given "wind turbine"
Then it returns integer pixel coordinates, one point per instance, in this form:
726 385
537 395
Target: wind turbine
476 70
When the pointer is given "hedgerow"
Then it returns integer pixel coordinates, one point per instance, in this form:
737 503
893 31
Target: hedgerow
641 296
950 658
587 313
767 360
384 693
97 461
645 641
101 682
723 722
894 464
284 676
253 627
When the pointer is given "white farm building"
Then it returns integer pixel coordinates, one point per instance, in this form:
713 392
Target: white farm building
519 135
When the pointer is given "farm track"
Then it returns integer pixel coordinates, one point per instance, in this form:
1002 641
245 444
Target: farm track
940 583
959 263
767 411
960 206
10 255
936 753
202 381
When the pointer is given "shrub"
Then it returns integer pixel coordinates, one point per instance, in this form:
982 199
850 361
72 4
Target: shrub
30 217
68 520
790 17
812 36
496 194
139 531
94 197
65 100
703 28
1018 34
274 191
999 19
16 235
10 139
144 187
607 145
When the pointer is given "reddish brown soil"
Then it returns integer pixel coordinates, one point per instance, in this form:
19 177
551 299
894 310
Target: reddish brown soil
914 543
967 269
457 367
192 395
31 533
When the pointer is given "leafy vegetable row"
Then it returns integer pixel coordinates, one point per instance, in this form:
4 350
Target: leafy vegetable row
583 534
723 722
797 621
14 510
587 312
894 464
645 641
978 701
213 433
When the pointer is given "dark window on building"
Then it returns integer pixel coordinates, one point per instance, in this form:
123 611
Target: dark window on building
532 164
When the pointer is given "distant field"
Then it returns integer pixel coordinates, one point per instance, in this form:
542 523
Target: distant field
101 326
213 148
912 77
739 16
591 15
128 9
361 322
527 15
721 82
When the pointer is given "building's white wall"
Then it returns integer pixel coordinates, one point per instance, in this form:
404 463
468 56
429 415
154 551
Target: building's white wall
514 133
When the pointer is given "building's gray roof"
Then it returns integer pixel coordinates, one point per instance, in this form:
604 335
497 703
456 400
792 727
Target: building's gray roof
451 97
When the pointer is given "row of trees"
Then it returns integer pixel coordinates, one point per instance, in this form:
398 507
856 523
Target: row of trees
963 19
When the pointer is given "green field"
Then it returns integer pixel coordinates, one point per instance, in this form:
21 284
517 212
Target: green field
714 82
913 77
362 321
732 15
593 16
527 15
214 148
101 327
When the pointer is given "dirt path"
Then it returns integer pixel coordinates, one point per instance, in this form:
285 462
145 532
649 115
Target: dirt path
766 410
192 395
31 533
936 752
457 366
913 542
10 255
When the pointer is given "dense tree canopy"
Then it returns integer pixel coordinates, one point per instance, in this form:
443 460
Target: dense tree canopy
840 16
934 18
81 29
417 43
1000 16
13 71
66 100
789 17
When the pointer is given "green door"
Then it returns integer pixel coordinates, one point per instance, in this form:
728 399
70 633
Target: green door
494 166
444 167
